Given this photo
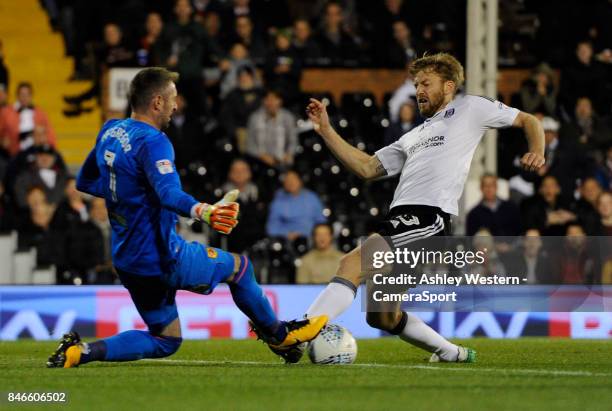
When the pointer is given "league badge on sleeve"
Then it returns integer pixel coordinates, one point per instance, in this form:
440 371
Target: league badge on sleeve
164 166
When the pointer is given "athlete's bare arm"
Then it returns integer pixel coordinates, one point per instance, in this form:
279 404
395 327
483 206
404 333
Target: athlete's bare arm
534 159
359 163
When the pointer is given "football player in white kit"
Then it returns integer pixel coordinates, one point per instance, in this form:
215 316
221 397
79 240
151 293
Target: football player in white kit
433 161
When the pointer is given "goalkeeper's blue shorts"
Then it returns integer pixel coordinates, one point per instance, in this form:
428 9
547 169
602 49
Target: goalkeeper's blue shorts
198 269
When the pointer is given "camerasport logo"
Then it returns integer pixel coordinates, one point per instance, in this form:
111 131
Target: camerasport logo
212 316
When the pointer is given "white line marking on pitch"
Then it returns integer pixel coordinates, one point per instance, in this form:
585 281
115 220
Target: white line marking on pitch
451 367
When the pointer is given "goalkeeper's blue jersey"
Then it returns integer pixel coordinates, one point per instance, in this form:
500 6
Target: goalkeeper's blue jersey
132 168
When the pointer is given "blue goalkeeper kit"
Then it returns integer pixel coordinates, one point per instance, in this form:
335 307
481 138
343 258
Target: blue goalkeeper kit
132 168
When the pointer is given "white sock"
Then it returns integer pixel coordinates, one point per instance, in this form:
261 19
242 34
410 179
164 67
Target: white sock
417 333
334 299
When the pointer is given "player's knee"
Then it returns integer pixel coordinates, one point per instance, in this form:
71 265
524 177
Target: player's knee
244 270
382 321
167 345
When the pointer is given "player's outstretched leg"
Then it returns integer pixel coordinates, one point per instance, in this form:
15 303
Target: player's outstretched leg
156 304
339 294
126 346
251 300
413 330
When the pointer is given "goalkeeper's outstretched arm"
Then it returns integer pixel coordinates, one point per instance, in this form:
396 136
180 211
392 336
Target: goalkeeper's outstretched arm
363 165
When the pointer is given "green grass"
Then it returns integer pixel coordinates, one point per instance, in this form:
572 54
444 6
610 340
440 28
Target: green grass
527 374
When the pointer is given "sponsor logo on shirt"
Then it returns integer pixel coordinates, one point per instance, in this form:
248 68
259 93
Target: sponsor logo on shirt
164 166
449 113
427 143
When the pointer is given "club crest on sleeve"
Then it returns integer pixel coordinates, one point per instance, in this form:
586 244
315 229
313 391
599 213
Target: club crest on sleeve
212 253
164 166
449 113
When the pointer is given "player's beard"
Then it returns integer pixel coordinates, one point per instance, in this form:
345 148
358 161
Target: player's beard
432 105
166 121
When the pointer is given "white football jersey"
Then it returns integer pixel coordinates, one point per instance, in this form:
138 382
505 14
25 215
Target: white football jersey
434 158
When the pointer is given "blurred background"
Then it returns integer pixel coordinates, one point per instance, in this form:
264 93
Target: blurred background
247 70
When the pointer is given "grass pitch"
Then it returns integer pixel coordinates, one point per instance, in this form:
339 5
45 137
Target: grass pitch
526 374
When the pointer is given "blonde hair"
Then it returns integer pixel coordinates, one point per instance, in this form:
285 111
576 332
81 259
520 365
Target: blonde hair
443 64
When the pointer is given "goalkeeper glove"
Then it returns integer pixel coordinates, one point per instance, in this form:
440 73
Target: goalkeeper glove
221 216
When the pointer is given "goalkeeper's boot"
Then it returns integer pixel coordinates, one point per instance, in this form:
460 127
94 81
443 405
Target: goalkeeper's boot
465 355
68 352
299 332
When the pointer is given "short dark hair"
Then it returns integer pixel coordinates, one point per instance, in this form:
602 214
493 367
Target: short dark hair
24 84
146 84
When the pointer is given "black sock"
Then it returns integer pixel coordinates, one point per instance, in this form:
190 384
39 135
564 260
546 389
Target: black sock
400 325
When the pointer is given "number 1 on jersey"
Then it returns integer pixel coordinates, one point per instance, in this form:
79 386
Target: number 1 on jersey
109 158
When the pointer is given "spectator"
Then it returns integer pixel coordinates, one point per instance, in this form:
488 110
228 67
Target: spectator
407 121
247 37
338 47
239 104
153 29
7 216
492 265
585 207
251 227
34 227
45 174
500 217
204 8
321 263
182 46
238 60
564 159
531 260
403 94
272 133
20 121
71 209
4 73
604 208
588 130
604 171
305 47
114 52
99 218
539 93
295 210
584 77
283 70
402 48
547 211
577 264
186 131
68 225
25 159
383 14
5 140
214 30
237 9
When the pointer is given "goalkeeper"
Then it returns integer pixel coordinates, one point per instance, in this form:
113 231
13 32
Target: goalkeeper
132 168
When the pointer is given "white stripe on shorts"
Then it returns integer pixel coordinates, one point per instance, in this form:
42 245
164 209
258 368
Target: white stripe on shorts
419 234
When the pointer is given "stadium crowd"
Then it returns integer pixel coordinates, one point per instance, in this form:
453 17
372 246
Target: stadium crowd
240 124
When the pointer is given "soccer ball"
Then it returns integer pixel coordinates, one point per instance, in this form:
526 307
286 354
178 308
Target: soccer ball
333 345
